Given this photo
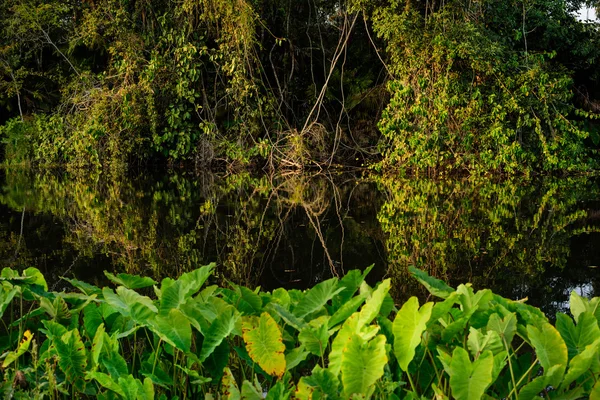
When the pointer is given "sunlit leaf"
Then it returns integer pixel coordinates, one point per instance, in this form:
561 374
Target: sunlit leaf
435 286
130 281
362 364
409 325
265 344
550 349
174 329
468 380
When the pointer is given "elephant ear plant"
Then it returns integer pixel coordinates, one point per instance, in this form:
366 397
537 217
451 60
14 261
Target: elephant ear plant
342 339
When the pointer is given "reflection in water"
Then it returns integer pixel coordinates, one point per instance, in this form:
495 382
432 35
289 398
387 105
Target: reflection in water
289 230
521 239
534 239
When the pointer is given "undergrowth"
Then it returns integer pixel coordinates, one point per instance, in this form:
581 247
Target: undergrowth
342 339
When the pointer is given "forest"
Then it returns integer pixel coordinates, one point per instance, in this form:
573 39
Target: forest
458 86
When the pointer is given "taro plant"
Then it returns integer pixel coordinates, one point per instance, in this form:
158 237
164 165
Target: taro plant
342 339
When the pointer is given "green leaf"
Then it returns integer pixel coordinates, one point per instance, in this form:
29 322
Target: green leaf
130 303
595 393
321 384
110 358
6 298
130 281
250 392
532 390
469 381
97 345
478 342
92 319
349 328
218 360
316 298
174 294
315 339
288 317
53 330
220 329
347 309
435 286
295 357
278 392
577 337
84 287
362 364
58 310
175 329
373 304
264 343
146 391
506 327
105 381
580 364
35 277
551 350
580 304
129 385
409 325
72 358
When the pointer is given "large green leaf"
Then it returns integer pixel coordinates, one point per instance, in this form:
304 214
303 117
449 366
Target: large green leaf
531 391
130 304
174 329
92 319
372 306
478 342
580 304
110 358
97 345
6 297
346 309
130 281
551 350
264 343
505 327
220 328
105 381
469 381
577 337
580 364
435 286
288 317
317 297
72 358
85 287
409 325
315 339
175 293
295 357
362 364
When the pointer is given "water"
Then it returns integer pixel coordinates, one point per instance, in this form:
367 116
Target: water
538 239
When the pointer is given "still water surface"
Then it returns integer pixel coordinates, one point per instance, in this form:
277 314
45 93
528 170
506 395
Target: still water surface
536 238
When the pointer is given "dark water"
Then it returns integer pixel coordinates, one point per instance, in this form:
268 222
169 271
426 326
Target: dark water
537 238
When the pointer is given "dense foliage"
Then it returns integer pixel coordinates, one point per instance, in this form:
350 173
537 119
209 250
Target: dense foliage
341 339
482 86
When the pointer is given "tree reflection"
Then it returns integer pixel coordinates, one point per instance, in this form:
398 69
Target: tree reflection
512 236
